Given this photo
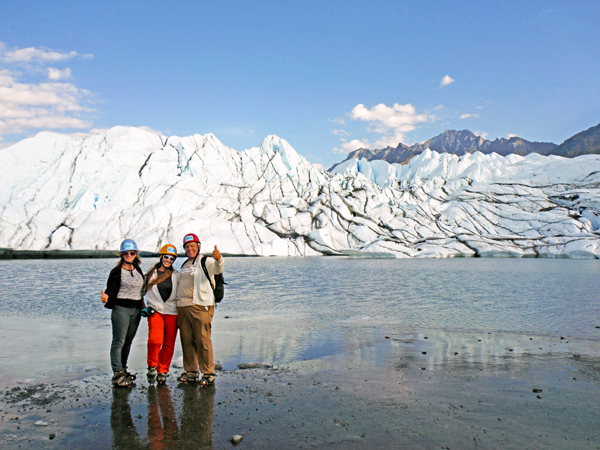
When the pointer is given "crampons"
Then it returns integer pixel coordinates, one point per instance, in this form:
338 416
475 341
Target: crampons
161 378
152 375
188 377
120 379
131 376
207 380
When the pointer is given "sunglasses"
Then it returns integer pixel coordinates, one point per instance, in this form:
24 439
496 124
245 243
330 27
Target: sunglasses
170 258
129 253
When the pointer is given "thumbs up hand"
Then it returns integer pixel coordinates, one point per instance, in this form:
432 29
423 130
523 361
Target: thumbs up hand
104 297
216 254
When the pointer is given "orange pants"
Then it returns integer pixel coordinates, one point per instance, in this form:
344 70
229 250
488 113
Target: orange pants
162 332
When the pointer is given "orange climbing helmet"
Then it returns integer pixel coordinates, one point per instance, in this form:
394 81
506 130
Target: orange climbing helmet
168 249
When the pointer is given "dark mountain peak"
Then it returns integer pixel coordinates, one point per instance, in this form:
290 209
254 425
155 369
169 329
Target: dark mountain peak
583 143
457 142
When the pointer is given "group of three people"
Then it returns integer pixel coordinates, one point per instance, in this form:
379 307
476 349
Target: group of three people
177 300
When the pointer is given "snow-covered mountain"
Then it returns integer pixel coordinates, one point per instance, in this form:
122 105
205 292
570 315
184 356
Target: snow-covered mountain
62 192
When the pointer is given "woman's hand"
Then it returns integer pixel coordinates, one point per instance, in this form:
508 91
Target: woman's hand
216 254
104 297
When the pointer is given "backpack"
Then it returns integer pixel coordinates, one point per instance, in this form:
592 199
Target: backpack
219 287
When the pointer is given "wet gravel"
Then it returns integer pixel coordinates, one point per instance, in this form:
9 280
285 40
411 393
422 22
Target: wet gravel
543 394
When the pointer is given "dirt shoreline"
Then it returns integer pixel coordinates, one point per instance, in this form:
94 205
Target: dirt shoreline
403 392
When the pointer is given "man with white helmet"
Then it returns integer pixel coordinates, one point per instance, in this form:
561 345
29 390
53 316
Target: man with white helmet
196 308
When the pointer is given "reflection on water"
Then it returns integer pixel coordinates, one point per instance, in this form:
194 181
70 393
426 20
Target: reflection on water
125 434
163 431
191 430
278 310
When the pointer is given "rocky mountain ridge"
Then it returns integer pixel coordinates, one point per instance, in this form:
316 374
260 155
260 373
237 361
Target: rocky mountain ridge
584 143
464 141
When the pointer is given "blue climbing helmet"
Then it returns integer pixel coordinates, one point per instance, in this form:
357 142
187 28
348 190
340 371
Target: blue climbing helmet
128 245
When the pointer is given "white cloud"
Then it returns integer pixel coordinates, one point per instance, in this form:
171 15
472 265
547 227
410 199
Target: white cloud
390 122
46 105
466 116
57 74
447 81
354 144
480 107
438 107
510 135
483 134
341 132
338 120
318 166
28 102
35 55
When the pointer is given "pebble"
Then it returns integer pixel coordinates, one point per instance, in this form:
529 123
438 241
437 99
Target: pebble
536 390
254 366
52 436
236 439
41 423
538 396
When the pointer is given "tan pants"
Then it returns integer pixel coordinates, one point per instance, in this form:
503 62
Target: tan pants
194 331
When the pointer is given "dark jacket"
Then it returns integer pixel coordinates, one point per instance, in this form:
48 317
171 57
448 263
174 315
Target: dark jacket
114 284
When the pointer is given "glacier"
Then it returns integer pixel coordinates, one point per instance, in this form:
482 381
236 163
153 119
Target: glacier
60 192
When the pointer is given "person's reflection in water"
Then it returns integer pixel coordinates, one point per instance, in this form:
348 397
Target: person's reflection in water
196 417
162 421
125 435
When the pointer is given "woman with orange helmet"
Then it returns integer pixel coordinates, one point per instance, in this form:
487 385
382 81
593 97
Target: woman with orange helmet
161 284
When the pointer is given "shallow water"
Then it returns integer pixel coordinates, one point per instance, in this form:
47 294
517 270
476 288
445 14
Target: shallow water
278 310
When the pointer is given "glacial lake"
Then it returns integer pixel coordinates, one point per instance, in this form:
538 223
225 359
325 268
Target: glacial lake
279 310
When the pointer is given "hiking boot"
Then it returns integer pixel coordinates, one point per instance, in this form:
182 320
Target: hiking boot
130 375
161 378
120 379
207 380
152 374
188 377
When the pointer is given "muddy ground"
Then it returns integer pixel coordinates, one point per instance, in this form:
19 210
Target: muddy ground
435 391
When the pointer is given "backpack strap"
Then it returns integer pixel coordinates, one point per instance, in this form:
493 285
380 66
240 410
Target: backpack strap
203 263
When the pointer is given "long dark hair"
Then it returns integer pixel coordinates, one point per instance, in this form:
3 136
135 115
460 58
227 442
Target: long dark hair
137 262
160 277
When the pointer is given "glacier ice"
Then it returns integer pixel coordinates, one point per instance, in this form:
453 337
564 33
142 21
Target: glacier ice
69 193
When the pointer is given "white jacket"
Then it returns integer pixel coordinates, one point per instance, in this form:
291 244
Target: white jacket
203 293
154 299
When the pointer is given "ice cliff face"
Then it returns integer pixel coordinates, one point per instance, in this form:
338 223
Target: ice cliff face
60 192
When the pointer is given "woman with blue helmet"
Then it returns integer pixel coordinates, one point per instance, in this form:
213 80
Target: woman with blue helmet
124 295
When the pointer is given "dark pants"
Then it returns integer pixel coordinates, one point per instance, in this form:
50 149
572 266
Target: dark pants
125 322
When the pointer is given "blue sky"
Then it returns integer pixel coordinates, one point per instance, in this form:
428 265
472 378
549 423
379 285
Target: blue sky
327 76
